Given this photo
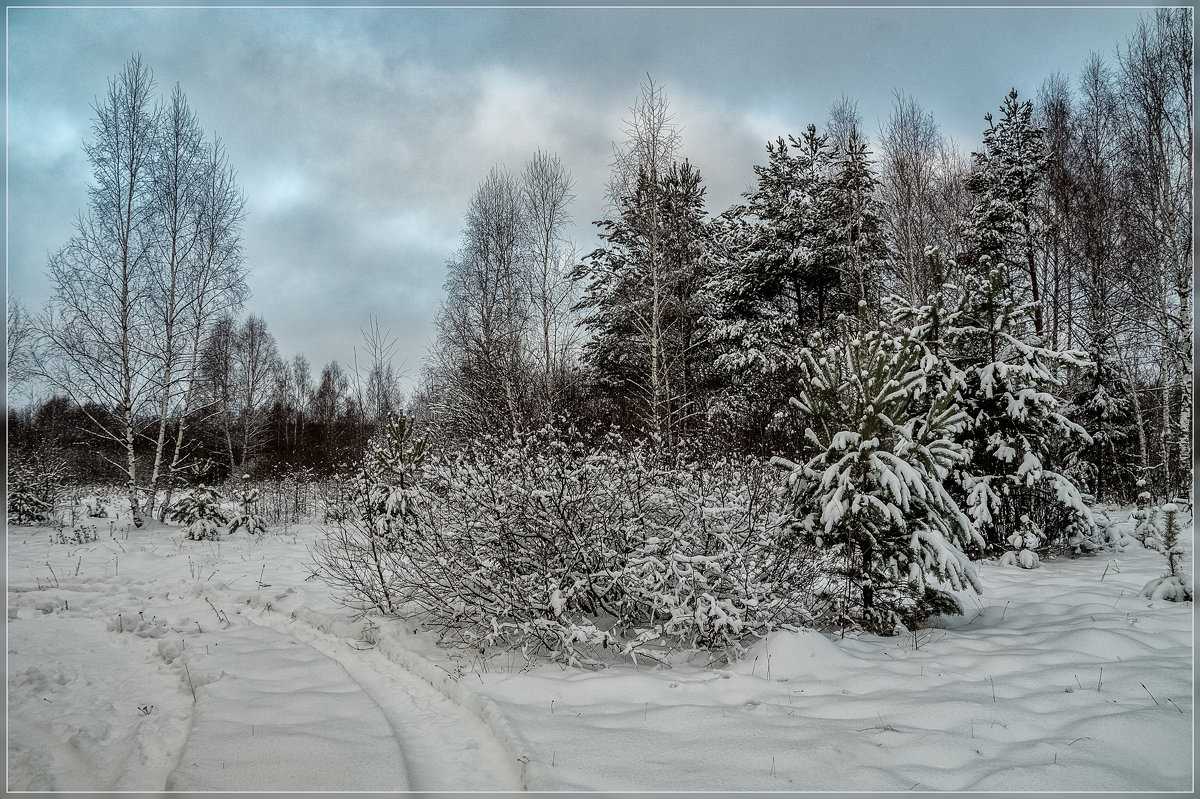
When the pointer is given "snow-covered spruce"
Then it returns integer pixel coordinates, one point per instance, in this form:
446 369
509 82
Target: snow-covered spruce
96 507
1024 544
247 518
1148 526
34 484
201 512
1016 438
872 492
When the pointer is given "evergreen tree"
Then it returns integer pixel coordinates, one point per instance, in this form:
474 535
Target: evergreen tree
1017 436
366 552
854 243
1108 465
389 474
34 483
872 493
1005 223
201 512
247 517
642 302
1177 585
782 261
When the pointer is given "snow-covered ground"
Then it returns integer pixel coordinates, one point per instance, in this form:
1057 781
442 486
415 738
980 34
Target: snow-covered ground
143 661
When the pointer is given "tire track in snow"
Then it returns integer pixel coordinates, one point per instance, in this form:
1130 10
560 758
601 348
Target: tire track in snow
447 744
250 676
275 714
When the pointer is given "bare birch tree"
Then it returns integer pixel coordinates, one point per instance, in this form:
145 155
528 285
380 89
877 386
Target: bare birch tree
546 193
1156 76
640 165
95 325
213 285
909 147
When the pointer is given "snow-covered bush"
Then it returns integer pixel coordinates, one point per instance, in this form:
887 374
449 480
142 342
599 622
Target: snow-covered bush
288 495
571 550
337 494
372 515
544 544
247 517
871 489
201 513
1176 586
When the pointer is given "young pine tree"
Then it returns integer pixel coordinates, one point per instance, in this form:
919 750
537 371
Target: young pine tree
247 517
1176 586
872 493
201 511
363 554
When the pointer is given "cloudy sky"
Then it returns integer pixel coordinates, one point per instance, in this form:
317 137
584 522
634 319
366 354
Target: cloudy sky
360 134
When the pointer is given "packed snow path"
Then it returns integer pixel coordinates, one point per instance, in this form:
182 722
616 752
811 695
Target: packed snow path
278 704
283 716
445 747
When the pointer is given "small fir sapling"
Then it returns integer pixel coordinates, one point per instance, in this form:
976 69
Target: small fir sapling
201 512
24 506
391 470
363 553
95 508
1147 526
247 517
34 484
1176 585
1024 542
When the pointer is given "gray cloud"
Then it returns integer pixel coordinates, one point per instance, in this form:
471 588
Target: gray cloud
360 134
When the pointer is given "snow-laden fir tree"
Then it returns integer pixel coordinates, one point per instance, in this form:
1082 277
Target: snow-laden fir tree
1024 543
1006 224
641 301
1108 466
201 513
391 469
1016 436
1147 525
872 489
247 518
854 243
778 277
31 491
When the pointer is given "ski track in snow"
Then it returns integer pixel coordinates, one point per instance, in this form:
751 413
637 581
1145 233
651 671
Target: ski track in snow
275 703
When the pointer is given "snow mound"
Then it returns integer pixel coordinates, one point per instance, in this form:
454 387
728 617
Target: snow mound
1177 588
788 655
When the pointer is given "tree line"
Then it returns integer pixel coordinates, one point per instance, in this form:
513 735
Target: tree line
683 325
689 326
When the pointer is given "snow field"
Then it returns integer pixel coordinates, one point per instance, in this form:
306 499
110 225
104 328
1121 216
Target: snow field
294 691
279 704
